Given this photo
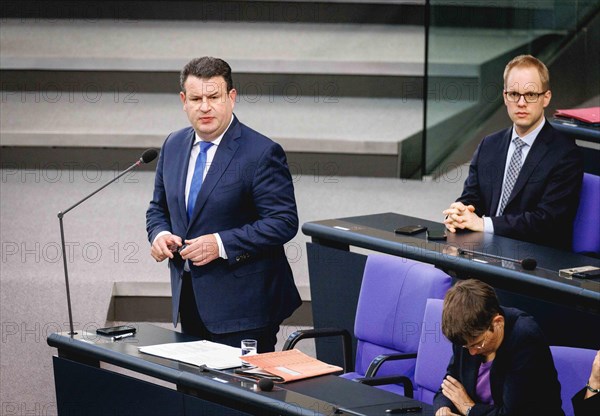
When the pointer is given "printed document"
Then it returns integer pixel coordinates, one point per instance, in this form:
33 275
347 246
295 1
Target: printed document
210 354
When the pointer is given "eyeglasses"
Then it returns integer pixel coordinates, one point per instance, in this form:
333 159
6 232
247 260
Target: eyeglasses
477 345
530 97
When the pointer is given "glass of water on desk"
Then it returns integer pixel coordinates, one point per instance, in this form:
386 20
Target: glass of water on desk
249 347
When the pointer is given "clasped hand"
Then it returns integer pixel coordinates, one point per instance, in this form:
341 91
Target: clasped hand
200 250
461 216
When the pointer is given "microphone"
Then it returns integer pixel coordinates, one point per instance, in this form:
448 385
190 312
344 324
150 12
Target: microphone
526 263
148 156
265 384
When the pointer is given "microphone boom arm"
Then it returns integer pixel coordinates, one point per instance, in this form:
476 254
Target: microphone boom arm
147 157
135 165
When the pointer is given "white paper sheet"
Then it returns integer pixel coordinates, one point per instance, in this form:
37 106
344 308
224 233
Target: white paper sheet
210 354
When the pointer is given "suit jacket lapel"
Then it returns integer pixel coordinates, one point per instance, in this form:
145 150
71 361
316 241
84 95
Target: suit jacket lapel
225 152
536 154
497 170
182 170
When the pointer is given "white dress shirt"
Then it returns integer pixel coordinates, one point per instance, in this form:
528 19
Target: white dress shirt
529 139
210 155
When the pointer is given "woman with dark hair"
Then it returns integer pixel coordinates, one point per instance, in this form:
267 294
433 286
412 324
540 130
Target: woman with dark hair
501 364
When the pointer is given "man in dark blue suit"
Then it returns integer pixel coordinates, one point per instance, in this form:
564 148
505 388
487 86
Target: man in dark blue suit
524 182
223 207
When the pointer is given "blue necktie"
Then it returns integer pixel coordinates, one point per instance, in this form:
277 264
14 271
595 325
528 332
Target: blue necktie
197 178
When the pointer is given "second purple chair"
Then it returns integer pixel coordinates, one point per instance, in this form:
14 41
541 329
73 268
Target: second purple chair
573 366
389 316
586 227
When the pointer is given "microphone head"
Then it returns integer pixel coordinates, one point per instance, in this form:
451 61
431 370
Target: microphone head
265 384
529 263
149 155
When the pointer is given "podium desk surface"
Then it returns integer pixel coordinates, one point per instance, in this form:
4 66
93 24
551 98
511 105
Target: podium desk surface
327 395
376 232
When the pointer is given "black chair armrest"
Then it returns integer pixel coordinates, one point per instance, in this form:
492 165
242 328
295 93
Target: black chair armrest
380 381
295 337
380 359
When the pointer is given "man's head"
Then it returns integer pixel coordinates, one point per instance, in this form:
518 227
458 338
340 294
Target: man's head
207 95
471 313
205 68
526 92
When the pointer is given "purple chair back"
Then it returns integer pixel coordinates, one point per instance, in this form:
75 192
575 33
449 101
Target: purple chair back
433 355
573 366
586 227
390 309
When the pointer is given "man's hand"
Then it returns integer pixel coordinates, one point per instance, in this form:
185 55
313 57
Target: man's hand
164 246
201 250
454 390
463 217
445 411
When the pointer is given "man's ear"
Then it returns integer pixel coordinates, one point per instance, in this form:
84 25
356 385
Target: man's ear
547 98
232 94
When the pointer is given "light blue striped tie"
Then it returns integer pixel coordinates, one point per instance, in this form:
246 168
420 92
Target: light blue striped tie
512 173
197 178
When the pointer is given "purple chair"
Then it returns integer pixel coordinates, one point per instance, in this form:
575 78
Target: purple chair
573 366
388 321
586 227
389 315
433 355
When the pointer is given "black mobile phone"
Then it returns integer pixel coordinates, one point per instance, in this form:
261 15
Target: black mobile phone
436 234
116 330
590 274
410 229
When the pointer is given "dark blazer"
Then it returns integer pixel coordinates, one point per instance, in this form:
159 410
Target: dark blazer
585 407
523 378
248 198
544 200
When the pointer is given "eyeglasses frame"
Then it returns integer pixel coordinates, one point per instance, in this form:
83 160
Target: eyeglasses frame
537 96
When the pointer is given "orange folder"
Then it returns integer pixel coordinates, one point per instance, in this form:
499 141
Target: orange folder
289 365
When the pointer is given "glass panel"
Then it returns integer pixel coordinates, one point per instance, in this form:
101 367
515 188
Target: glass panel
469 44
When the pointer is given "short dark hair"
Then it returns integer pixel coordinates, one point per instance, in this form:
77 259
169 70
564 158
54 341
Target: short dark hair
469 307
205 68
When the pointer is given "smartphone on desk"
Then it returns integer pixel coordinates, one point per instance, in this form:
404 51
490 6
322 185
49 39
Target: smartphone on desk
116 330
436 234
410 229
590 274
583 272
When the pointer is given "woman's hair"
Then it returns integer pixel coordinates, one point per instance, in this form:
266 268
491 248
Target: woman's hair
469 307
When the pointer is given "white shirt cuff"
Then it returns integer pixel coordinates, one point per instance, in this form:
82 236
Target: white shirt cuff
159 234
488 225
222 252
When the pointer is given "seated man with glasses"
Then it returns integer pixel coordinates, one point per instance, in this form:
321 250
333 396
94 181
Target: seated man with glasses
524 181
501 363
